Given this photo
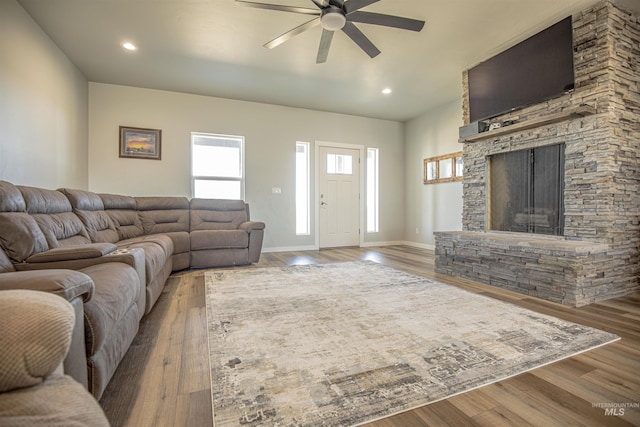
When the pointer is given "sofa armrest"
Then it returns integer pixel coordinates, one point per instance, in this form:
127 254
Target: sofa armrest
249 226
131 256
94 250
37 329
65 283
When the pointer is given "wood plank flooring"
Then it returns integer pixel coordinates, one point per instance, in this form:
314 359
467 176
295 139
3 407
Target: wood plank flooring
164 378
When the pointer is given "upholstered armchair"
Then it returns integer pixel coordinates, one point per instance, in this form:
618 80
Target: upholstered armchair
34 340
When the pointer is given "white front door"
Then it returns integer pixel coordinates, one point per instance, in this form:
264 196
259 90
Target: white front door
339 197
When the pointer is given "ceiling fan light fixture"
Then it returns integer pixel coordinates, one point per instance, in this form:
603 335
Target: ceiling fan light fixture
129 46
333 19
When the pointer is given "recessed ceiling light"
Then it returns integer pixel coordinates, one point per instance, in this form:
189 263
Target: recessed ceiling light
129 46
386 91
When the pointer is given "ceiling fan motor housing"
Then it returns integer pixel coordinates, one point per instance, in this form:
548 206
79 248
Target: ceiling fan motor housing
333 18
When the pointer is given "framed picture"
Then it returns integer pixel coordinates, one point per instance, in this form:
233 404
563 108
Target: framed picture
139 143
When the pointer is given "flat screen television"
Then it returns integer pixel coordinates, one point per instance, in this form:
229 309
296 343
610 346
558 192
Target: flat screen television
534 70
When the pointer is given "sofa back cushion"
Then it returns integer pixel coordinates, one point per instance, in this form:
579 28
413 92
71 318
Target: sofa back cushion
90 209
21 236
217 214
52 212
163 214
123 213
11 199
5 262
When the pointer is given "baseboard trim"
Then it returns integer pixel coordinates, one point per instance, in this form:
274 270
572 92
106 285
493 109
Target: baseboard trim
399 243
363 245
421 245
289 249
373 244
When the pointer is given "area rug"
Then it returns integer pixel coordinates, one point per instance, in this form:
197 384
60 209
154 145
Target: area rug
348 343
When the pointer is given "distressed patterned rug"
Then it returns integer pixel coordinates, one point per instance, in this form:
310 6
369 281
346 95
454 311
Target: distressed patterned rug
348 343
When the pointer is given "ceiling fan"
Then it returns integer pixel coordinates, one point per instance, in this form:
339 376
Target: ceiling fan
334 15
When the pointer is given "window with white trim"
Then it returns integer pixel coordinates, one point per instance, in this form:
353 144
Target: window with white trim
217 166
303 198
372 191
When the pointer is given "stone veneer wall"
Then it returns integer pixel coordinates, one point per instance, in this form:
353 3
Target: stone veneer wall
602 156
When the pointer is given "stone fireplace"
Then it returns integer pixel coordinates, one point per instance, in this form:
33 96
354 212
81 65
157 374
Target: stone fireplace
592 253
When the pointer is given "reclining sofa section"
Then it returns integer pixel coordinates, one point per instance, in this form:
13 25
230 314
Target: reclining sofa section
111 255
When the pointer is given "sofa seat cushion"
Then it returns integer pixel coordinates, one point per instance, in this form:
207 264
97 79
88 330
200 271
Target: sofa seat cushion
161 240
116 287
219 239
158 250
181 241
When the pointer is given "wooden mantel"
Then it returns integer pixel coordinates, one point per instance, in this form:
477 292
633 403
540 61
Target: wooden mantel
581 111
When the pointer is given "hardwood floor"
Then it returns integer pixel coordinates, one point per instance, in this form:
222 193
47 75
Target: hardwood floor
164 378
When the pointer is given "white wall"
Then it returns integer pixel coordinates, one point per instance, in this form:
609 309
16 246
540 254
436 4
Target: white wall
270 135
433 207
43 107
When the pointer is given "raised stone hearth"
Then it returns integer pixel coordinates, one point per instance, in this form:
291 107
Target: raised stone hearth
558 270
597 257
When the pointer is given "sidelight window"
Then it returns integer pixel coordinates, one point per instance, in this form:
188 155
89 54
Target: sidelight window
372 191
303 197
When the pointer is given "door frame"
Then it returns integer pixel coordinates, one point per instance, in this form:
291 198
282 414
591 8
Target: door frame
361 219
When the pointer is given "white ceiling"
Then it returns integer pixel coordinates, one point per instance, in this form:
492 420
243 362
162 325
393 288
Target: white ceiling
215 48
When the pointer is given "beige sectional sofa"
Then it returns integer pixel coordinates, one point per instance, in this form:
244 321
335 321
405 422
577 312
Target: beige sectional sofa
110 256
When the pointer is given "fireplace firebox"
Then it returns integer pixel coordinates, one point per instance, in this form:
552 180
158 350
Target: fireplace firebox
526 190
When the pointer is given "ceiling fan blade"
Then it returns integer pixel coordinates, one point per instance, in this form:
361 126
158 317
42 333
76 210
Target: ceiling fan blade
325 44
360 39
279 7
351 6
386 20
292 33
319 3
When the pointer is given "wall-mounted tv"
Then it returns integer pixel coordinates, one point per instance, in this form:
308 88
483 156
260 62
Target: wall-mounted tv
537 69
